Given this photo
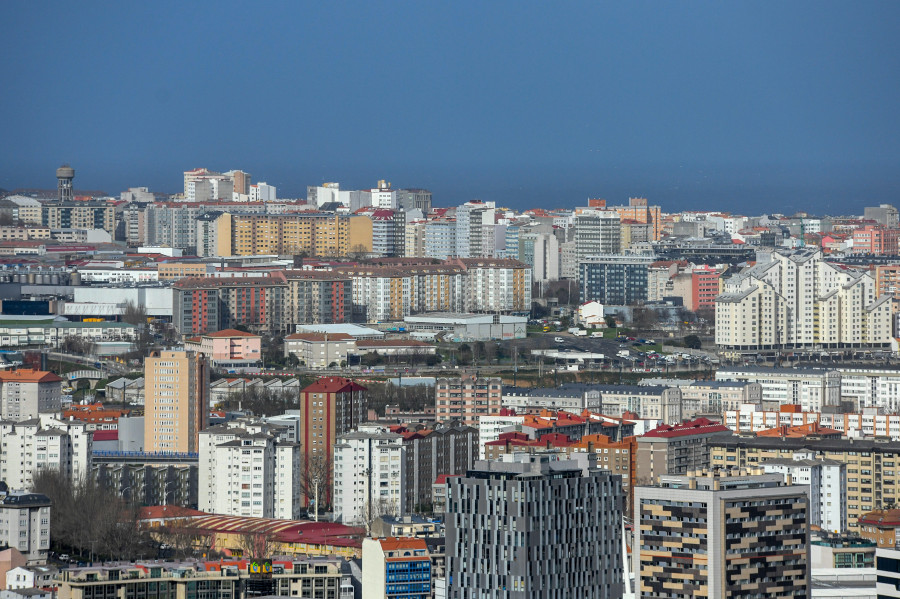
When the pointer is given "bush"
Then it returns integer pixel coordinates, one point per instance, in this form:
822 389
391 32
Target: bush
693 342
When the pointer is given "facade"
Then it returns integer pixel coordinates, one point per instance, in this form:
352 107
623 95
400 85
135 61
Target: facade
534 526
597 232
320 350
797 300
330 407
721 534
368 476
231 579
26 393
396 568
881 527
466 398
25 525
827 482
718 397
871 465
42 443
176 400
317 234
676 449
491 427
887 565
433 450
79 215
614 280
645 401
228 348
247 469
812 389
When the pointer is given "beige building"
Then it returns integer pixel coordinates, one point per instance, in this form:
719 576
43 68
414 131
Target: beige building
796 299
172 271
176 400
319 350
318 234
873 465
467 398
80 215
717 397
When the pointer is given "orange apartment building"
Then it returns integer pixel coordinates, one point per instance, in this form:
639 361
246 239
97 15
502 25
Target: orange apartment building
318 234
176 401
329 407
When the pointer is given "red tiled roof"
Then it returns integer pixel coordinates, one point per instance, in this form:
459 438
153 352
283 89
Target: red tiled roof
333 384
882 518
106 435
230 333
442 478
155 512
27 375
699 426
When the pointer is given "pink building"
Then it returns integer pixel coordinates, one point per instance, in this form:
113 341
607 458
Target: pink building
228 348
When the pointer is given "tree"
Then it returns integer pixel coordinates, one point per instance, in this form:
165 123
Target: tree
315 480
358 252
134 313
693 342
257 544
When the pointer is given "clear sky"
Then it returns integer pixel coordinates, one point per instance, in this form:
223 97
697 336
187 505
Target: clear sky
747 106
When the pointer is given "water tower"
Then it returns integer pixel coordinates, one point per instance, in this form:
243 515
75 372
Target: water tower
64 176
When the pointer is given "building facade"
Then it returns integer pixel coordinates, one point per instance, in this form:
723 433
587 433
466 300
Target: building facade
176 401
369 476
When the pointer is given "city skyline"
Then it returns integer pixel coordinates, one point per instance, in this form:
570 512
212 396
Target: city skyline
712 106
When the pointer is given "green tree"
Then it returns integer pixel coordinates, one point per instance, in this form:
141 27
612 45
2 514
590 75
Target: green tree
693 342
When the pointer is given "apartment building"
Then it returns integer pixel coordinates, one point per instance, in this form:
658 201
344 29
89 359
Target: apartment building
536 526
645 401
25 524
432 450
203 305
79 215
176 401
320 350
881 527
873 466
614 280
316 233
791 300
330 407
811 388
491 427
870 423
249 469
25 393
369 476
721 534
717 397
827 482
597 232
46 442
233 579
466 398
396 568
676 449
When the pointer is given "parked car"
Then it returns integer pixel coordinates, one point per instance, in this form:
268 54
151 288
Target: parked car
559 340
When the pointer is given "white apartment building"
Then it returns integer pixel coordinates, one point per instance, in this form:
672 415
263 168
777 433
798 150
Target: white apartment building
25 524
715 397
808 387
369 467
827 482
26 393
490 428
795 300
46 442
246 470
869 423
597 232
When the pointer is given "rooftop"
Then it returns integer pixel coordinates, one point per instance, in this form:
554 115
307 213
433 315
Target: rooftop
700 426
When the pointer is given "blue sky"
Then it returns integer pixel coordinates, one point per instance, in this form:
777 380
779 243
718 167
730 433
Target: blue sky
774 105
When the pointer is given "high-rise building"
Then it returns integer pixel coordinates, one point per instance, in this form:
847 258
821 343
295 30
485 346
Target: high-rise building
25 393
369 476
396 568
25 524
176 401
827 482
721 534
249 469
795 300
535 526
65 192
870 464
597 233
414 199
614 280
241 180
44 443
330 407
79 215
676 449
466 398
